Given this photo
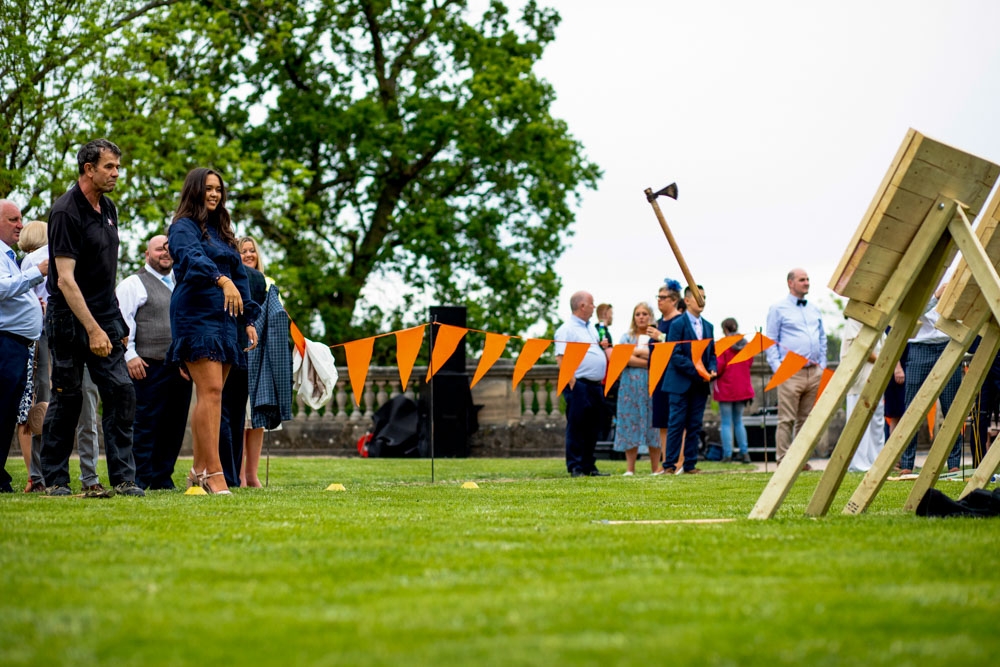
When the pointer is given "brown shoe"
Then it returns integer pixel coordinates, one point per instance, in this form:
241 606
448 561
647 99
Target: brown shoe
97 491
669 470
905 471
807 467
693 471
34 487
954 469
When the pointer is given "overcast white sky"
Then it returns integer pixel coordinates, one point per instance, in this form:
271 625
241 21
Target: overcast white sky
777 120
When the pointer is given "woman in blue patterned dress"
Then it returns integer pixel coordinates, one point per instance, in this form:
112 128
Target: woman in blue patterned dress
634 433
211 298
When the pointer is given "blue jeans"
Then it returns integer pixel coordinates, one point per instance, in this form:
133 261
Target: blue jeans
732 420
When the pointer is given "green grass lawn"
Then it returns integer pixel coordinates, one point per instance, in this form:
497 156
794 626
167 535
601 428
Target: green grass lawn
399 571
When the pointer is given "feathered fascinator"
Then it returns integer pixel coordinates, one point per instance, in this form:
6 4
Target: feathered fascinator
672 284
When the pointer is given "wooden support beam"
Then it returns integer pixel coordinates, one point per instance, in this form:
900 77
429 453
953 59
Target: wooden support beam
989 465
866 314
913 304
979 262
812 430
955 419
910 422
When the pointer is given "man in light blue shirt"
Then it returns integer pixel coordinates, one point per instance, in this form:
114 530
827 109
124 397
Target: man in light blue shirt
20 325
796 325
584 394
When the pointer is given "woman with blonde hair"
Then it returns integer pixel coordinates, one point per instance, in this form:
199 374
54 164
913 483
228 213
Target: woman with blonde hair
253 438
634 433
34 242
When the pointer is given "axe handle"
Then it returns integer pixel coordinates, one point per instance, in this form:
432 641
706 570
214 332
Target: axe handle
673 246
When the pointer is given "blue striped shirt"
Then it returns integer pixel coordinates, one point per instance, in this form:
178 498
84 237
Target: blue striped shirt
20 309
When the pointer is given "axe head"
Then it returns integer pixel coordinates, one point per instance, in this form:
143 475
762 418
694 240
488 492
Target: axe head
669 191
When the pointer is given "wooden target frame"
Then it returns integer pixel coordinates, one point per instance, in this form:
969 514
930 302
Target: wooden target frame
917 221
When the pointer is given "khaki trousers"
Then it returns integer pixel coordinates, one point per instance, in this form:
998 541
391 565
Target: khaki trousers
796 397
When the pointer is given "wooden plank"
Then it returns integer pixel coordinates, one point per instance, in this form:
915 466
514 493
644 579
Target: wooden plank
904 154
923 170
911 420
927 180
897 226
955 419
961 165
880 260
926 242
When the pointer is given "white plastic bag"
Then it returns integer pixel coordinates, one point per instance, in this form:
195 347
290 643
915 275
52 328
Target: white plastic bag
315 376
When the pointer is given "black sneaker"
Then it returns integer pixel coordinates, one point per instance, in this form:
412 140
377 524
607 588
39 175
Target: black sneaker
58 490
97 491
130 489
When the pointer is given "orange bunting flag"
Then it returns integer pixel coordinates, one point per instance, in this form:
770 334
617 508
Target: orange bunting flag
445 343
724 344
408 342
530 353
931 415
698 348
753 348
620 354
492 349
791 365
823 381
298 339
574 354
658 361
359 356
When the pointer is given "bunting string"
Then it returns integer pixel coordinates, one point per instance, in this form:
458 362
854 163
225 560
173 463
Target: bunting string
447 338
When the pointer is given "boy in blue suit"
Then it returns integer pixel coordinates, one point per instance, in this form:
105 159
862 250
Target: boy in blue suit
686 385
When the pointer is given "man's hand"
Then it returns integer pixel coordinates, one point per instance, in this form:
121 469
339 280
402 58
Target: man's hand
654 334
43 266
898 375
137 368
100 344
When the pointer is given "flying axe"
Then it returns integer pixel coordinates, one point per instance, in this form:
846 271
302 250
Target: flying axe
671 191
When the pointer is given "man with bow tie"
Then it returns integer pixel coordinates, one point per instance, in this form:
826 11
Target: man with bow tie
796 325
162 395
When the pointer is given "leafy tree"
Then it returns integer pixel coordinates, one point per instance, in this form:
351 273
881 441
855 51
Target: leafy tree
409 144
365 141
48 52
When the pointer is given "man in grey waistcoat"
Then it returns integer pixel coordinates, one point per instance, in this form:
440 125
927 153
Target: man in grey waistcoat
162 394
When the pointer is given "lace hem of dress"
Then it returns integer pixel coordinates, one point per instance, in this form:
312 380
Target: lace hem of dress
205 347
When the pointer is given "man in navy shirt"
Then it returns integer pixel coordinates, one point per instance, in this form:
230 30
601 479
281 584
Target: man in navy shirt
84 325
20 325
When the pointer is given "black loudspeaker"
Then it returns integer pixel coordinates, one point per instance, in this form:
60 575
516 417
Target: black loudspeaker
455 316
455 418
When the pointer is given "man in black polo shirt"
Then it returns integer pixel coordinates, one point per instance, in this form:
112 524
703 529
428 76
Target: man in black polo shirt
85 326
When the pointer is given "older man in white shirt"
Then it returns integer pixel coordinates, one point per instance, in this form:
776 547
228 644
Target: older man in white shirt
584 394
